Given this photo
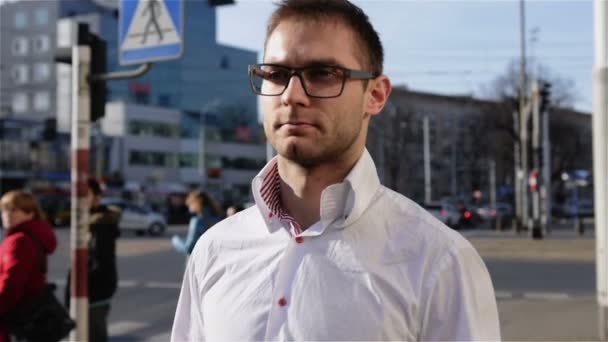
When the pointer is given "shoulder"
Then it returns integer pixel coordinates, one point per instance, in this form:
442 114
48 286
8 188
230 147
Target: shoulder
412 231
16 244
230 234
238 226
105 215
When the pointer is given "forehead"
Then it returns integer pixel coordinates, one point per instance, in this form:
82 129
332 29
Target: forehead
298 42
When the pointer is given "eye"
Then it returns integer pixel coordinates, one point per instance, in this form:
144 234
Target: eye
321 74
275 75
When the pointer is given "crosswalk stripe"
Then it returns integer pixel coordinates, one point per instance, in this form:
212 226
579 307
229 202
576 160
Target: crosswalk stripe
546 295
162 285
503 294
135 284
125 327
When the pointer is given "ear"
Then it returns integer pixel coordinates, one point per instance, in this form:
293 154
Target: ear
379 90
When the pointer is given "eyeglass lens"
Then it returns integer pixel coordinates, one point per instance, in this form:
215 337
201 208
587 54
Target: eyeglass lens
321 81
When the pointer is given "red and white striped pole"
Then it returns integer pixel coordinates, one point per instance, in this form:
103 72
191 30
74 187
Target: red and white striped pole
80 141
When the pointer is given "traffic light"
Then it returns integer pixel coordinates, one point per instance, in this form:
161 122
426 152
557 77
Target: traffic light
98 66
545 96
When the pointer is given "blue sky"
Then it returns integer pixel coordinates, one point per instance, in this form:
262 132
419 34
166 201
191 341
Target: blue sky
455 47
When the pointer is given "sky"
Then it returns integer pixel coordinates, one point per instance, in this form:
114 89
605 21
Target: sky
455 47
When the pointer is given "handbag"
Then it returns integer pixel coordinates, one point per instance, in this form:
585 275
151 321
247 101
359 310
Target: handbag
42 317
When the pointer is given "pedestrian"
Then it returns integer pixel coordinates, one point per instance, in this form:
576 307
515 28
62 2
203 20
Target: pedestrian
327 252
205 213
102 270
21 275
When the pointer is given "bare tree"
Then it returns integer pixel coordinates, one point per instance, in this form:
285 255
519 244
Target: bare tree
504 90
505 87
390 134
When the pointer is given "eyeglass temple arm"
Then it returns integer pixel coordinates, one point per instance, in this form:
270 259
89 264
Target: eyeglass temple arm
360 75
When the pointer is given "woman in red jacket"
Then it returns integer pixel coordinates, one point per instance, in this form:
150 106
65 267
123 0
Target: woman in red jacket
20 270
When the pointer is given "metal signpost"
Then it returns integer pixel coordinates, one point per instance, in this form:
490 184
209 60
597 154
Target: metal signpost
150 30
600 160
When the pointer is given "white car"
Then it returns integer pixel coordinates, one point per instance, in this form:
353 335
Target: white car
445 212
137 218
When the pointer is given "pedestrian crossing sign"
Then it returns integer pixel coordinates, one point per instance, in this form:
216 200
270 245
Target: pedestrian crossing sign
150 30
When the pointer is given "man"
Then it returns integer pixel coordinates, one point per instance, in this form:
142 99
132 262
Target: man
327 252
103 275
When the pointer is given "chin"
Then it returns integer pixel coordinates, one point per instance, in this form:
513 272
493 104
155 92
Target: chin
306 156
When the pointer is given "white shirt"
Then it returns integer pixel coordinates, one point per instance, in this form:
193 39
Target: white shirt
375 267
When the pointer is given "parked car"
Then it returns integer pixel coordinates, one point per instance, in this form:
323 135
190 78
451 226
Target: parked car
498 216
570 208
488 212
445 212
469 218
138 218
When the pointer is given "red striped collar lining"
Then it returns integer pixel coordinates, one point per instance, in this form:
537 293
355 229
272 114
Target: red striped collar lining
271 195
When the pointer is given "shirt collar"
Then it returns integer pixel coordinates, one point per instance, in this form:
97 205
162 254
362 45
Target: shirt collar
341 204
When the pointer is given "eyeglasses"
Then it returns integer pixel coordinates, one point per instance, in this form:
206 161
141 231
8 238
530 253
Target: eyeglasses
320 81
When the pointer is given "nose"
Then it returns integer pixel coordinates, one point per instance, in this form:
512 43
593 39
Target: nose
294 94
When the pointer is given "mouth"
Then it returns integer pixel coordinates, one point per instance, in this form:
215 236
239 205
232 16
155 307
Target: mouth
295 125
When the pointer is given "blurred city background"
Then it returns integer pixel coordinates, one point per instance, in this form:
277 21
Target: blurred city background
448 139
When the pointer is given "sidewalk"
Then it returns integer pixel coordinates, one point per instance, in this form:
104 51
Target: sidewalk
558 246
571 318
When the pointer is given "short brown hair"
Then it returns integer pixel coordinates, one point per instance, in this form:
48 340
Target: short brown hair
351 15
22 200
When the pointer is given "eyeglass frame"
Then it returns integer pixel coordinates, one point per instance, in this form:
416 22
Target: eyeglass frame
349 74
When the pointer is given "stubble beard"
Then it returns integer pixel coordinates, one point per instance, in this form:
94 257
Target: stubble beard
332 151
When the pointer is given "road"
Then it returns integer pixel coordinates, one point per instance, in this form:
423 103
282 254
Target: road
150 274
545 289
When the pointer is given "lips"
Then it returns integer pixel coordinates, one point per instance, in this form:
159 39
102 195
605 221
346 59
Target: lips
295 124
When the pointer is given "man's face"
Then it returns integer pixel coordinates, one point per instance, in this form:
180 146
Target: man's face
313 131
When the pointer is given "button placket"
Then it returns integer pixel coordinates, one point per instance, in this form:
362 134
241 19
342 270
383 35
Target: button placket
289 265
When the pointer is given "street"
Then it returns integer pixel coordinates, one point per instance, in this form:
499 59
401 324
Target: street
150 274
545 289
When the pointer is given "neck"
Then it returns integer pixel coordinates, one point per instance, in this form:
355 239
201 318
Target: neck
301 187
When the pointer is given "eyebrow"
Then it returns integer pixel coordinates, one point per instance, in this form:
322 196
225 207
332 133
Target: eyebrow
315 62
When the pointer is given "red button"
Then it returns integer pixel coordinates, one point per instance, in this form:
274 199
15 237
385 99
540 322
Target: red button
270 215
282 302
299 239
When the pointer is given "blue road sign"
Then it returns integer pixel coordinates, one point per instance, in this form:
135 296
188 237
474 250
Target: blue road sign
150 30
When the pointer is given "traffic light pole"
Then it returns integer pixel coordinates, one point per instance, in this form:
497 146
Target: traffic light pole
86 83
122 75
546 193
521 197
79 233
600 160
536 229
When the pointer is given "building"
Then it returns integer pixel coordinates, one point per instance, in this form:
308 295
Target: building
470 142
159 148
27 76
210 77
